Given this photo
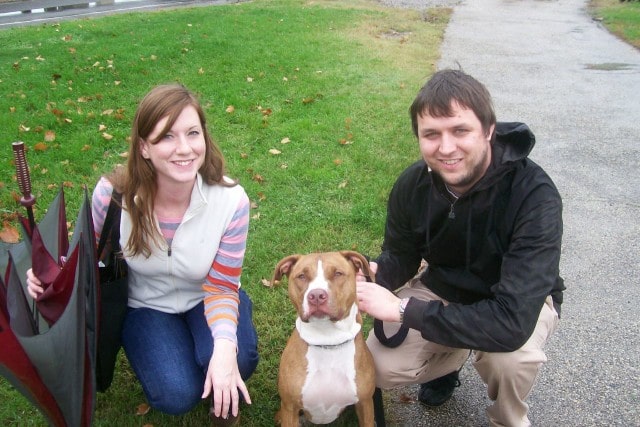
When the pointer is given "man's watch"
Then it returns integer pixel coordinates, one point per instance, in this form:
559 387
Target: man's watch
402 307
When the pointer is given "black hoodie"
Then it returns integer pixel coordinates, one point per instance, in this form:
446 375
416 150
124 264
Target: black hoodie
493 253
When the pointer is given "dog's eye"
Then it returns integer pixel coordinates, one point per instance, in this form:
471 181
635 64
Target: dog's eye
338 273
301 276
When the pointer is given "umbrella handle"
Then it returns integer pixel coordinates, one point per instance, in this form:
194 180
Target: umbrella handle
24 180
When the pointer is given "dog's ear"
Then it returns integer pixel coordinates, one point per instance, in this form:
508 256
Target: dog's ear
359 262
283 268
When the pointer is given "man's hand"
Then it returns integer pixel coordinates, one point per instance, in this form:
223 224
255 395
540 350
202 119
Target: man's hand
376 300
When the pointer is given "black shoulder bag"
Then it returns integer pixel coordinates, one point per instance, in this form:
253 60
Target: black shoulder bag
113 295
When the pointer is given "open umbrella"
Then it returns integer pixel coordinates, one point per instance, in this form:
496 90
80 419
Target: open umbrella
48 352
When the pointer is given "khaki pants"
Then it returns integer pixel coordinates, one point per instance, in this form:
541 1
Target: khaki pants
509 376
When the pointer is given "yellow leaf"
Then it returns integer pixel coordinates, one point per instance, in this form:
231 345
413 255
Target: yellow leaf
275 152
337 162
153 57
107 136
343 184
102 128
249 79
107 112
256 216
23 128
85 147
67 38
124 154
230 109
244 155
285 140
201 70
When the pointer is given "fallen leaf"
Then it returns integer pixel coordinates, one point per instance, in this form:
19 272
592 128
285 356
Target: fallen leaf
308 100
266 283
124 154
275 152
102 128
249 79
67 38
67 184
23 128
405 398
343 184
258 178
230 109
344 141
266 111
50 136
201 71
107 112
44 171
256 216
244 156
9 234
261 196
40 146
85 147
143 409
337 162
284 166
285 140
254 205
107 136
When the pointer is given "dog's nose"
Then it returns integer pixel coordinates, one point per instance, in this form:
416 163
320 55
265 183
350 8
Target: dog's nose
317 297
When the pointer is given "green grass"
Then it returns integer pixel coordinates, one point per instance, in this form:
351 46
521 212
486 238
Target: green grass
621 18
336 78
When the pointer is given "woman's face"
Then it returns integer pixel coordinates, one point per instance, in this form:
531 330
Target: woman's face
178 155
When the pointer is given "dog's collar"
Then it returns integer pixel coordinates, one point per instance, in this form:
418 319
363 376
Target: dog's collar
331 346
328 334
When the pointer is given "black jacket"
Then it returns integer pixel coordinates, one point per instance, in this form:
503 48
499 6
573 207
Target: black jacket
494 253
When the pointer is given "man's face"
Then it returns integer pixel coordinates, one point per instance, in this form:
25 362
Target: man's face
455 147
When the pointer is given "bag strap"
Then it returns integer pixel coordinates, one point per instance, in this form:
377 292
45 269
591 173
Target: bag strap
111 227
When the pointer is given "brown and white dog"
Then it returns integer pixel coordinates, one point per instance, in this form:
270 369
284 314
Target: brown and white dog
326 365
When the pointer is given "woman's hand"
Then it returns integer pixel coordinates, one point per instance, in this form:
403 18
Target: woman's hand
223 377
34 286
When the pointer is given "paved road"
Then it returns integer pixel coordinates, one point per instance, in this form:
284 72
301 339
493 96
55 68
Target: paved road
547 63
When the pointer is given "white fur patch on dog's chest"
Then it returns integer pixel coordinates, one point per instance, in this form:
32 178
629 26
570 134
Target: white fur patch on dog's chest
330 384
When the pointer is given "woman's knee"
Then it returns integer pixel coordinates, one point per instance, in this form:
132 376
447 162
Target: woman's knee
174 399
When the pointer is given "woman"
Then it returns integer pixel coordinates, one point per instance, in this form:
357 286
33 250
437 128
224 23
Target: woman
188 333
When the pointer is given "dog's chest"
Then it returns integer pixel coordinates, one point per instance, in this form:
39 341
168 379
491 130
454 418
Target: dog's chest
330 384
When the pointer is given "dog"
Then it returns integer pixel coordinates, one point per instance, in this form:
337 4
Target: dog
326 365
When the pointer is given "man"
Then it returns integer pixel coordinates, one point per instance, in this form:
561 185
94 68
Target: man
488 223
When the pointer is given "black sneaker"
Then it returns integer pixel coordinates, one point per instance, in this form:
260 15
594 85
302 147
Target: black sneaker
438 391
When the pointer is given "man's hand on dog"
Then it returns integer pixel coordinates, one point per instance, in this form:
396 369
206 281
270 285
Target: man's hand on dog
376 300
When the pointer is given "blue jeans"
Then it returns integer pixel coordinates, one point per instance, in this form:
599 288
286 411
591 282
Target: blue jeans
170 353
